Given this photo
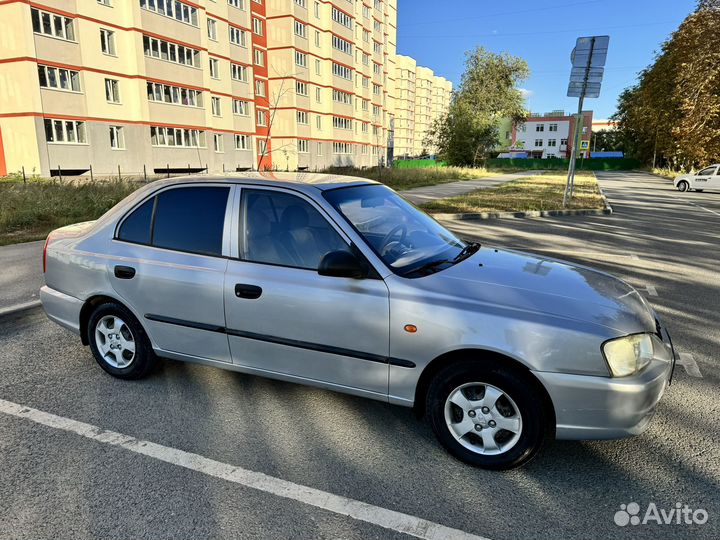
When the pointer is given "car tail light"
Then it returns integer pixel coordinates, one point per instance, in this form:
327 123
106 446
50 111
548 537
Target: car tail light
47 241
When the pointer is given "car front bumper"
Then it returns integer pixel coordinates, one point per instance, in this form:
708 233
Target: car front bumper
61 308
589 407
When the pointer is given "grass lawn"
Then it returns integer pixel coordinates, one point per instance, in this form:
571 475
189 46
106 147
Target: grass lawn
542 192
400 179
29 212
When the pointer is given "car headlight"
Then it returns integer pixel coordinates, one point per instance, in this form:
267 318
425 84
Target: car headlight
628 355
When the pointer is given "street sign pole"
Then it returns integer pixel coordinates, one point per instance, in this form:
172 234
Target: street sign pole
588 58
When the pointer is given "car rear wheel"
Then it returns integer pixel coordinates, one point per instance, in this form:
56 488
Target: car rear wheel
489 417
683 186
119 343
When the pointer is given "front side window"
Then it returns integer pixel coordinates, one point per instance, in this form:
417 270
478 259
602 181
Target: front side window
707 172
283 229
406 239
171 220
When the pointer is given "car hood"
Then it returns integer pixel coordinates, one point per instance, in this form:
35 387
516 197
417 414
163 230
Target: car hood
546 286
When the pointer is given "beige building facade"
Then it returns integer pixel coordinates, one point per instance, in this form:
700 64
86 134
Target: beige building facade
179 85
421 98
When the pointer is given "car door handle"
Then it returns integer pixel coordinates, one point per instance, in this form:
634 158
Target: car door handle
251 292
124 272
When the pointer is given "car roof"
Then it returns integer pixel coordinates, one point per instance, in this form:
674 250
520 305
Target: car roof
303 181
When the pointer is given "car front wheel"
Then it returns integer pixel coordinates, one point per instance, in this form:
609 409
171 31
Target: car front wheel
683 186
489 417
119 343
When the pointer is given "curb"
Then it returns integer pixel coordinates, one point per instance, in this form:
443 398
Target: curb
10 310
606 210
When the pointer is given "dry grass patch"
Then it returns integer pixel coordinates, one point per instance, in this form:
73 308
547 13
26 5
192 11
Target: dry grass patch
541 192
401 178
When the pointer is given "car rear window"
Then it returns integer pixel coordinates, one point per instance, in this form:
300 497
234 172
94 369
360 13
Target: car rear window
189 219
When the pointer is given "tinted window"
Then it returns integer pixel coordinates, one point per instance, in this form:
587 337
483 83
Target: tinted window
136 227
191 219
283 229
707 172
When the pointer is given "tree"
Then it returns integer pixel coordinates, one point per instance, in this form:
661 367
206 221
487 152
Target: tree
487 93
672 116
608 140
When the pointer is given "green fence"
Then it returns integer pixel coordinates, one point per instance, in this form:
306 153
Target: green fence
592 164
417 163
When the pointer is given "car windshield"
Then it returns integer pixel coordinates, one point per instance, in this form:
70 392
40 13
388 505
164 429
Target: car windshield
405 238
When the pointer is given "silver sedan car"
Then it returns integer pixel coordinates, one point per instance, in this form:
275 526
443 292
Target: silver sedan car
346 286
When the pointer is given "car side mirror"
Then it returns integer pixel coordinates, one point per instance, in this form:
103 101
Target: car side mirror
342 264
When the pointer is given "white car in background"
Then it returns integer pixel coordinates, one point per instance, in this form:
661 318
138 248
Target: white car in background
708 178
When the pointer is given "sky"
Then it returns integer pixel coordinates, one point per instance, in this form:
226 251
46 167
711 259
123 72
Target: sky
437 33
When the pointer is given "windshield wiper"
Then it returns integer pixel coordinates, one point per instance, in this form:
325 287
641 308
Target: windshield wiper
466 252
428 266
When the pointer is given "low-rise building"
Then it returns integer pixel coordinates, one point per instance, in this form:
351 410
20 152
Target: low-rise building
550 135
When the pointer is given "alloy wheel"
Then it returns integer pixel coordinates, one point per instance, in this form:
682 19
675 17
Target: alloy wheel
115 341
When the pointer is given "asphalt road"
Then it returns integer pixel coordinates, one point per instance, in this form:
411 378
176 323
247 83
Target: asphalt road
59 484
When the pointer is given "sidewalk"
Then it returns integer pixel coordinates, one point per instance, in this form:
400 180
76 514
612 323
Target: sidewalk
453 189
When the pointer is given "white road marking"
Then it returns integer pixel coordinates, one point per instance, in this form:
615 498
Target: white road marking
376 515
651 290
711 211
19 307
687 361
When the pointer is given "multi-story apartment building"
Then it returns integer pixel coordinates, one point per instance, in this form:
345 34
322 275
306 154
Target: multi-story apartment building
421 97
176 85
550 135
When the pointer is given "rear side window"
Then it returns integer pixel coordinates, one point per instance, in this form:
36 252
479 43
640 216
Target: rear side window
185 219
136 227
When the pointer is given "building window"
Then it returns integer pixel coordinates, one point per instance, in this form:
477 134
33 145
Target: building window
341 45
107 41
301 59
53 25
238 72
318 95
212 29
117 138
318 122
261 118
301 88
173 9
65 131
214 68
552 142
342 148
215 106
342 97
302 117
166 136
59 78
538 142
539 127
259 57
174 94
552 127
171 52
112 90
238 37
240 107
563 142
260 88
303 146
107 3
317 38
317 67
340 122
218 145
319 149
242 142
240 4
257 26
300 29
341 17
342 71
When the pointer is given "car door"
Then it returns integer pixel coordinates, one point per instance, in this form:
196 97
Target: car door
283 318
702 180
714 182
169 267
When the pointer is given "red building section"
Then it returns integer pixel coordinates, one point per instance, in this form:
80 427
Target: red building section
3 163
260 80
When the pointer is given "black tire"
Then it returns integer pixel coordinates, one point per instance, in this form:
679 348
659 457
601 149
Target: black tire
519 387
683 186
143 360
